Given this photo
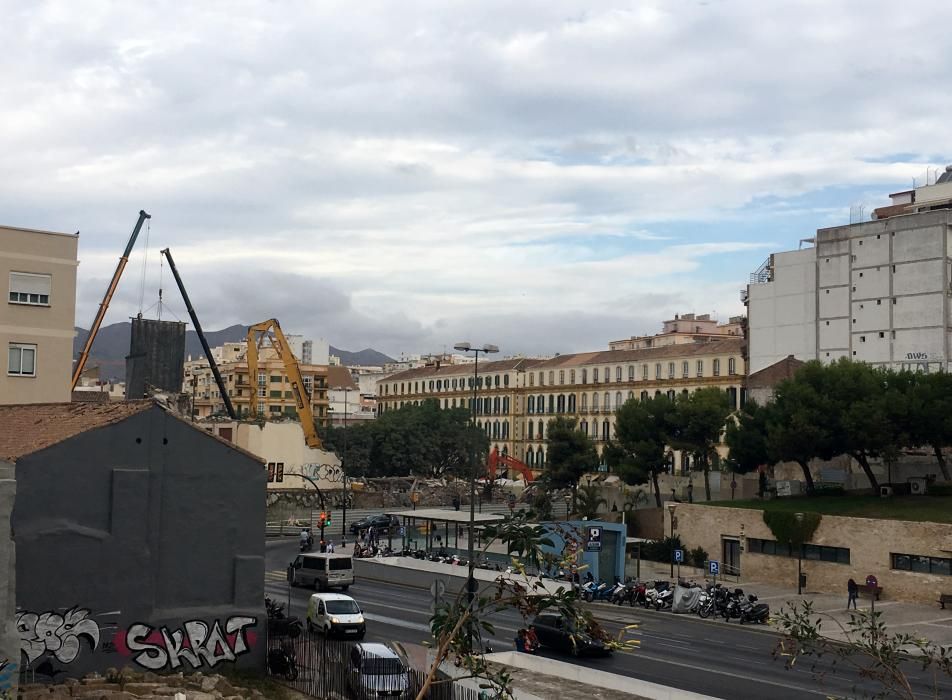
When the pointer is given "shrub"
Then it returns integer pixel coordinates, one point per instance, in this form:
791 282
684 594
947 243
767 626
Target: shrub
660 550
698 557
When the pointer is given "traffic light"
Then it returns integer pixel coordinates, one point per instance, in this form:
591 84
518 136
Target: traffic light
327 518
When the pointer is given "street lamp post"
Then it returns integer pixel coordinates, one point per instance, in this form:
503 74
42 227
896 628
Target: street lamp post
799 517
343 467
471 578
671 507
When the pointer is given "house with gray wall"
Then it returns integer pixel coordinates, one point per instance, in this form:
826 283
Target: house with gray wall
138 541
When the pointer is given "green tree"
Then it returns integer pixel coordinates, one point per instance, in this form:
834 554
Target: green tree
697 423
798 429
746 438
922 406
570 454
642 430
590 499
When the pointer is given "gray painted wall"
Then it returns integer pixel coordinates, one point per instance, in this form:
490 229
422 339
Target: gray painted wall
9 639
140 544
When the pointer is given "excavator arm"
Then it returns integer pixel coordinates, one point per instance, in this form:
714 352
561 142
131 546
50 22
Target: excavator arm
271 329
511 462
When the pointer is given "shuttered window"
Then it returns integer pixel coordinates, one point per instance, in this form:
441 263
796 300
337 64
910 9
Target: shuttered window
29 288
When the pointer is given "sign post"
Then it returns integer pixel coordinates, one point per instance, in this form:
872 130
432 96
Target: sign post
678 558
593 539
714 567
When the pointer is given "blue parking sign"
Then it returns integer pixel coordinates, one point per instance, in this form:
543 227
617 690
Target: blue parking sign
679 555
714 567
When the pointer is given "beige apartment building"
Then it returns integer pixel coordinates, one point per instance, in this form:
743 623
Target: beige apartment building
38 316
516 398
275 399
682 329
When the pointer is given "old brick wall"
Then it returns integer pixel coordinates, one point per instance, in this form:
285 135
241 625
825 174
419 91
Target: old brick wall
870 543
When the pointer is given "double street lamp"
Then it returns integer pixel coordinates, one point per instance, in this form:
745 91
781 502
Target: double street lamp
671 507
799 518
471 578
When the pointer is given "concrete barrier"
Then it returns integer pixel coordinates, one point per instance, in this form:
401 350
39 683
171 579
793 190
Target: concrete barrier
592 677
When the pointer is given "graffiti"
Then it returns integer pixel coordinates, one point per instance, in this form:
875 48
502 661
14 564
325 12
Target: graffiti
59 635
8 674
158 649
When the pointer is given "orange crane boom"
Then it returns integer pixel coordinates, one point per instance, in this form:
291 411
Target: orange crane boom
271 330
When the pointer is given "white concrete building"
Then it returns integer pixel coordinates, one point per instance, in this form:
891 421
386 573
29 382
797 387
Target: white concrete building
877 291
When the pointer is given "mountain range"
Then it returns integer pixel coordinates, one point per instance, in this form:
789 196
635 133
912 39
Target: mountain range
112 345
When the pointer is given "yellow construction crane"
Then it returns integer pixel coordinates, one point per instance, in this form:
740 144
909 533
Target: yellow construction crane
271 330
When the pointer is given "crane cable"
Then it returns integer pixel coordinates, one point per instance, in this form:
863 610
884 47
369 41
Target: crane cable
145 260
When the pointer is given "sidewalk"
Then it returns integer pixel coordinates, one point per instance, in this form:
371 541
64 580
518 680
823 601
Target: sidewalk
925 621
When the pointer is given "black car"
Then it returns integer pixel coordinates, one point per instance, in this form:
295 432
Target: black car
380 524
555 632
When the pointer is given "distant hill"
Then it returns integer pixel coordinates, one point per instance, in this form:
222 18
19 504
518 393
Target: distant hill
112 345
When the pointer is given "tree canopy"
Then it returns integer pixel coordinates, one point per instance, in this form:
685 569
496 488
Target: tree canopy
570 454
642 433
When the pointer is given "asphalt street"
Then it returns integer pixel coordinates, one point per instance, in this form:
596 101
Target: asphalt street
716 658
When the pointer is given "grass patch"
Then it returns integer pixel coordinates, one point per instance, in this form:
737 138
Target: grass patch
936 509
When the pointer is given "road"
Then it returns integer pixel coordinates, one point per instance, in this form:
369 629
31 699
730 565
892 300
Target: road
717 658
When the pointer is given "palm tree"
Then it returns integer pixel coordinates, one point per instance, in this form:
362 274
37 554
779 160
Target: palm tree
589 500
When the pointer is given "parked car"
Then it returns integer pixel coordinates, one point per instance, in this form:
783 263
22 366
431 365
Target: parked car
556 632
375 671
380 523
335 613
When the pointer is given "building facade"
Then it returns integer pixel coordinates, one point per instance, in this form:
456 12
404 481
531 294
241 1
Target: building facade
38 315
515 399
273 387
684 328
877 292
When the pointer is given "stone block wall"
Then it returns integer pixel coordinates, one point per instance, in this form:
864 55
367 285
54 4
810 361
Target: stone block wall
870 541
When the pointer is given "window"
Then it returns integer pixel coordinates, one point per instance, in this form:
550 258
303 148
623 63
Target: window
608 374
717 368
560 404
606 427
618 374
584 402
644 396
836 555
594 402
670 370
657 371
618 400
551 377
571 376
561 376
531 379
732 365
921 564
608 401
530 405
595 376
22 360
571 403
28 288
551 403
529 457
685 369
541 434
541 378
644 372
505 404
584 376
505 380
631 373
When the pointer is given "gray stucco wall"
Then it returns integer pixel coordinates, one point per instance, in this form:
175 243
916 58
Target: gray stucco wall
9 640
139 544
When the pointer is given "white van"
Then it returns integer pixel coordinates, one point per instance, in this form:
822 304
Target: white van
335 613
322 571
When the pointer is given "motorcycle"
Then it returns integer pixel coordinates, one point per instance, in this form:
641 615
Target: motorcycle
587 591
307 545
282 661
621 592
752 611
733 603
278 624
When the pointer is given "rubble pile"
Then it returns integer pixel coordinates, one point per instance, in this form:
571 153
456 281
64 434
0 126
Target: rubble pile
131 685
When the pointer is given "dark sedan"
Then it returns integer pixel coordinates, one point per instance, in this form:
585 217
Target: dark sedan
555 632
380 523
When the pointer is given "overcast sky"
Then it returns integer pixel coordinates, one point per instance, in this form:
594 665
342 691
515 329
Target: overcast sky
545 176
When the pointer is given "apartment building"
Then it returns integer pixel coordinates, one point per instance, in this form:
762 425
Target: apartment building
684 328
37 320
273 388
516 398
877 291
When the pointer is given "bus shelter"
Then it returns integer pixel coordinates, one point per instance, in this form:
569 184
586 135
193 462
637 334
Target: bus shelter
436 528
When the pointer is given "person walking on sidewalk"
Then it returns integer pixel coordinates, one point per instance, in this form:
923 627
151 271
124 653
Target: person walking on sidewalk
853 590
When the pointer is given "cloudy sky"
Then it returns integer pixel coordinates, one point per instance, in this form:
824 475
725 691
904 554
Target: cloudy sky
546 176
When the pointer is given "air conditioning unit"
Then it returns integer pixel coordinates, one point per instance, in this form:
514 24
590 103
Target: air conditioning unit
885 491
917 486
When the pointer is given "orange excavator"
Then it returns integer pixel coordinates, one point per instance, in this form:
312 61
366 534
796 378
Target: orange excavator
495 459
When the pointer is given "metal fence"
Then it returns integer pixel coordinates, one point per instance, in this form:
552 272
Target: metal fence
332 668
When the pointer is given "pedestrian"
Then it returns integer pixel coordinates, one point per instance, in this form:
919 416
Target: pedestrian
520 640
330 547
323 546
853 590
532 640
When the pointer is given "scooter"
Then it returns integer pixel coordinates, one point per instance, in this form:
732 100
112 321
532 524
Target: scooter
587 591
307 545
282 661
752 611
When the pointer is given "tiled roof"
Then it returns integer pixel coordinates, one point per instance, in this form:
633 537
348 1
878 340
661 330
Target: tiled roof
28 428
714 347
91 396
339 377
464 369
773 374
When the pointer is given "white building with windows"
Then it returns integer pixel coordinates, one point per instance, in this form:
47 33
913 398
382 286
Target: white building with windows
877 292
38 316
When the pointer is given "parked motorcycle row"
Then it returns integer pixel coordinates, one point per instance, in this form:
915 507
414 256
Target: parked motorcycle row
438 556
686 597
